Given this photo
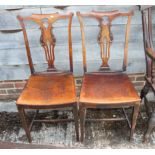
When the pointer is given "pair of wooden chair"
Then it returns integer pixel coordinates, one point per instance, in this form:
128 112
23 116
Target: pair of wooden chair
55 89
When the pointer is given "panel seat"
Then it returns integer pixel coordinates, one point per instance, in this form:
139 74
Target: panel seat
108 88
42 90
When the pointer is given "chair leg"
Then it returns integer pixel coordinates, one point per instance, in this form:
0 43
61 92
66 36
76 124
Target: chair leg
76 119
24 122
151 125
82 113
134 119
145 90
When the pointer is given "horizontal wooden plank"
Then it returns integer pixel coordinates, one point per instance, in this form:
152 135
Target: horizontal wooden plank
75 7
22 71
18 56
10 7
134 65
88 8
18 72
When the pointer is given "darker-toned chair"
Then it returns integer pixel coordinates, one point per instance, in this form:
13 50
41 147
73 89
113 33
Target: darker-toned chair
150 67
106 88
50 89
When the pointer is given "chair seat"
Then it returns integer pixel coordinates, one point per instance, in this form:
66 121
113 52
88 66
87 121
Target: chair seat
107 89
51 89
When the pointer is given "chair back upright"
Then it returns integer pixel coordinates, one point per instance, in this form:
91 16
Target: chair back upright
148 42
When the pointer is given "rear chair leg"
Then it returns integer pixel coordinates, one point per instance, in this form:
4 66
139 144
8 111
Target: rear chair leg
24 122
82 113
134 119
76 119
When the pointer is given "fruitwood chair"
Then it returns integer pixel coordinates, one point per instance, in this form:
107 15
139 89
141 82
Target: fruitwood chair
150 67
106 88
50 89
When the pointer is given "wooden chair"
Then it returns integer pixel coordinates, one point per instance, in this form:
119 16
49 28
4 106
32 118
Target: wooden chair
106 88
51 89
150 66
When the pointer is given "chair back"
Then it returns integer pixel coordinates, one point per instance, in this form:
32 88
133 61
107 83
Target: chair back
105 37
47 38
147 39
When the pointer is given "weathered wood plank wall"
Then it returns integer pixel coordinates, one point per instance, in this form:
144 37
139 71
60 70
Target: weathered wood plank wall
13 60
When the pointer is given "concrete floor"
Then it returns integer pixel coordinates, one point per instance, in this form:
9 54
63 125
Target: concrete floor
98 135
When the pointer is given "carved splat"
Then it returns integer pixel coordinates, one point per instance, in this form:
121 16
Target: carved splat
48 41
47 38
104 40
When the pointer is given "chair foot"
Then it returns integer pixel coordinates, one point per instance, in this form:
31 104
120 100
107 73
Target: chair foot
76 119
148 133
82 113
24 122
151 125
134 120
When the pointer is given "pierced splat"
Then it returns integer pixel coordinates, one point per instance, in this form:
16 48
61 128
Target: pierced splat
48 41
47 38
104 40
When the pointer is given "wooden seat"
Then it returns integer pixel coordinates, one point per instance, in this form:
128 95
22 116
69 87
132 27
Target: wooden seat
50 89
150 66
45 90
105 88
